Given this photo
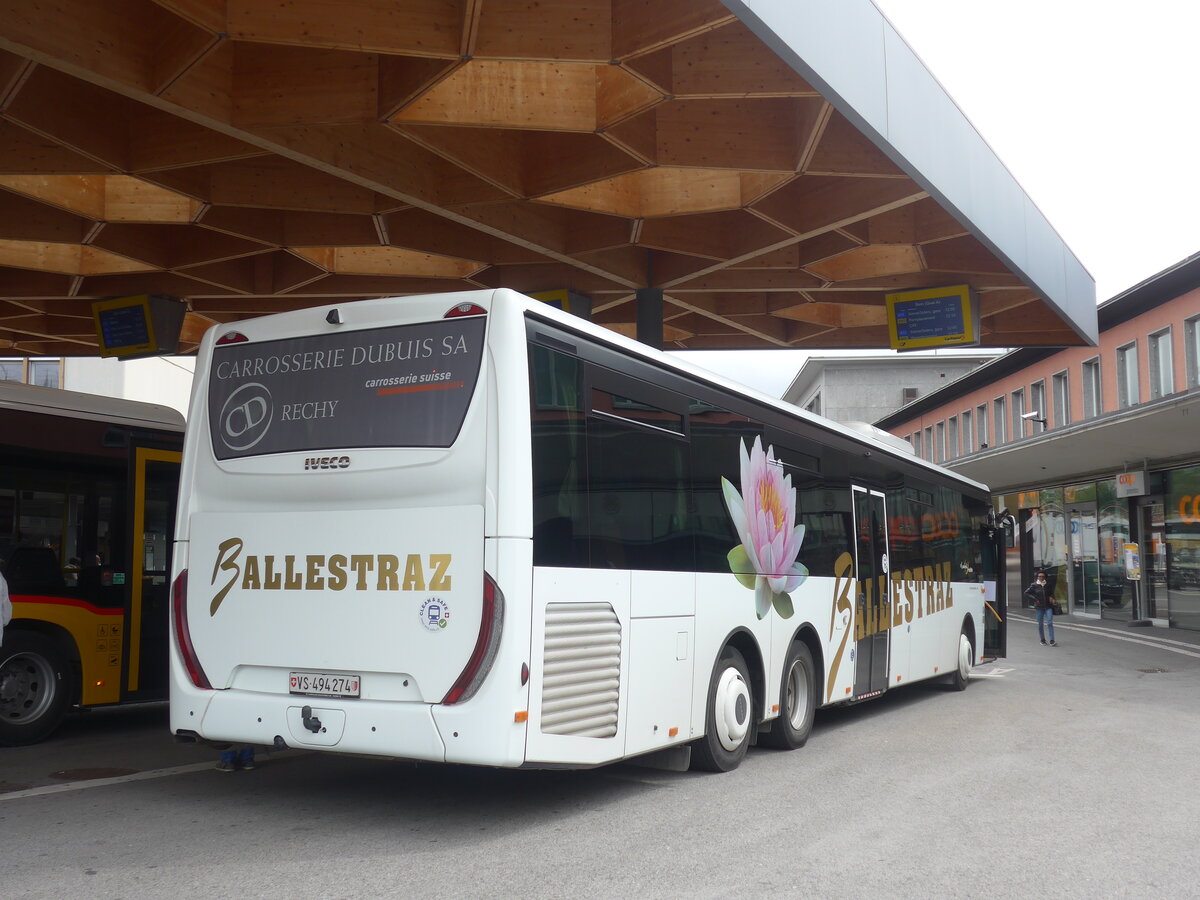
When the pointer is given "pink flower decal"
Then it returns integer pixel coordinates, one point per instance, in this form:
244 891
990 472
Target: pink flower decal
764 514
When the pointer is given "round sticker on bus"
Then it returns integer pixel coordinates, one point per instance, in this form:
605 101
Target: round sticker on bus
435 614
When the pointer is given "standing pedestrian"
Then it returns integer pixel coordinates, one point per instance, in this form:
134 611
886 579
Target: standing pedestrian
1043 603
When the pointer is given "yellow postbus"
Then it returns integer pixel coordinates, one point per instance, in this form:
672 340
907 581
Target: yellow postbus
87 508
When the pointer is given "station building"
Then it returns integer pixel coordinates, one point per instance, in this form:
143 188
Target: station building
1094 450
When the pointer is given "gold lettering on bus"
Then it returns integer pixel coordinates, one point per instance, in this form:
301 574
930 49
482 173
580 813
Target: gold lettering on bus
316 572
414 575
441 565
915 593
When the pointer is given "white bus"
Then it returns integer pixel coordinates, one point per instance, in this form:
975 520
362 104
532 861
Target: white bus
471 528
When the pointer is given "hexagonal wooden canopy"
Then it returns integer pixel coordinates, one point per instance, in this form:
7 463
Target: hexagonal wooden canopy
252 156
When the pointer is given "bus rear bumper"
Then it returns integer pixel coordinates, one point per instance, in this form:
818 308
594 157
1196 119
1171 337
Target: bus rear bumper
370 727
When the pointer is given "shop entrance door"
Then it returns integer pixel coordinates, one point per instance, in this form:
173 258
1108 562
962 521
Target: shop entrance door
1084 559
1152 540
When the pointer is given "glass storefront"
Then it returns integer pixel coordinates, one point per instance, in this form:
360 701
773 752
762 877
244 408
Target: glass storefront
1084 536
1115 589
1182 515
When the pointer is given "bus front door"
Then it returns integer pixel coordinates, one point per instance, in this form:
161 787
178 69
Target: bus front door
874 608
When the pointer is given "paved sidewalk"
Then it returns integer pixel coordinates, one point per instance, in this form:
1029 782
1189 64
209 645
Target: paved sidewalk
1185 640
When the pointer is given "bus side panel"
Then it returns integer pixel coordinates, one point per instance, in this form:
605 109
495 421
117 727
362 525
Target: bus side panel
936 626
723 606
662 660
95 632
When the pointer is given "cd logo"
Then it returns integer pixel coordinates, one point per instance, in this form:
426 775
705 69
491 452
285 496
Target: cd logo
246 416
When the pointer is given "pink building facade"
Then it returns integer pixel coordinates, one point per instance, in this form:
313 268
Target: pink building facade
1095 451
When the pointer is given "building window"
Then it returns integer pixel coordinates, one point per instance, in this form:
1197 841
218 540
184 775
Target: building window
1018 415
1191 332
968 439
939 449
1062 400
981 421
43 372
951 438
1162 374
1037 404
1128 392
929 443
1093 403
1001 413
915 440
814 405
908 395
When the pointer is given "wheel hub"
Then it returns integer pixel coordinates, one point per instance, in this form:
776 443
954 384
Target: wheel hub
23 694
797 695
732 709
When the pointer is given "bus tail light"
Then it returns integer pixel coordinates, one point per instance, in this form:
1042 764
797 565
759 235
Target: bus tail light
183 636
491 624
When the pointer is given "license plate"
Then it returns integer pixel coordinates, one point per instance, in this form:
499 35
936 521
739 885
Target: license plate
324 684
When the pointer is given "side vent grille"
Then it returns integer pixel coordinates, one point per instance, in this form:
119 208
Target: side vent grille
582 670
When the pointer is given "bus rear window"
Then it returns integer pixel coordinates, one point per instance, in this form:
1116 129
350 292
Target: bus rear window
401 386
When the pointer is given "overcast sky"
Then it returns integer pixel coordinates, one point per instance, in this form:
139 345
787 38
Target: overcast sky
1092 105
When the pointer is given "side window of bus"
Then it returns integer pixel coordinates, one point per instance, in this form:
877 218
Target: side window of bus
825 512
638 480
716 436
560 512
910 510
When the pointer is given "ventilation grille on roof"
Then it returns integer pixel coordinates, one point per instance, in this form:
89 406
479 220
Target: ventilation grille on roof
582 676
909 395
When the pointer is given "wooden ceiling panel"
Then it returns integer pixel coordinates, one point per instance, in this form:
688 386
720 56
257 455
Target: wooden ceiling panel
26 283
192 245
869 262
162 141
115 39
962 254
28 153
171 284
303 86
817 203
844 150
744 135
82 117
417 229
718 235
639 27
24 218
414 27
730 62
276 183
545 29
149 244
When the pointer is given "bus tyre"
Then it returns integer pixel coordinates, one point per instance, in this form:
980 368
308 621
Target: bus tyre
730 715
966 656
33 687
797 701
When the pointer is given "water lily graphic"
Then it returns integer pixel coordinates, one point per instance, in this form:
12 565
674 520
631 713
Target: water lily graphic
763 514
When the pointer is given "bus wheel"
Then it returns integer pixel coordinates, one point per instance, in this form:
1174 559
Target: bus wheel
730 715
966 656
33 688
797 701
